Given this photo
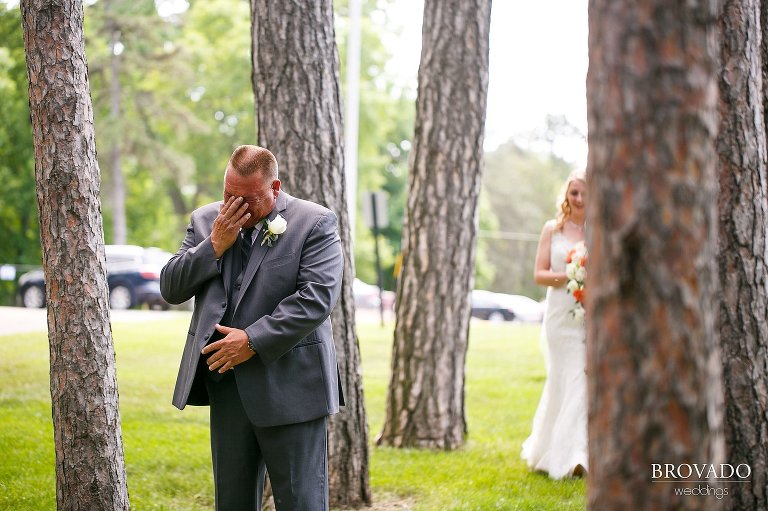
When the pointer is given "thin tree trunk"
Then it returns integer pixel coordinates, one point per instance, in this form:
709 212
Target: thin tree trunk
296 82
119 234
743 257
90 471
655 393
425 402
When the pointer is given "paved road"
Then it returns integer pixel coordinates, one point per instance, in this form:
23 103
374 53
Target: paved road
18 319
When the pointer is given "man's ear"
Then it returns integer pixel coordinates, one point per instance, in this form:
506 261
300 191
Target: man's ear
276 185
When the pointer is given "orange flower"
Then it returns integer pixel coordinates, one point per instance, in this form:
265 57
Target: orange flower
579 295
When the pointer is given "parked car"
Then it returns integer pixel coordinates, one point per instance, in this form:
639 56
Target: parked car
367 296
503 307
133 277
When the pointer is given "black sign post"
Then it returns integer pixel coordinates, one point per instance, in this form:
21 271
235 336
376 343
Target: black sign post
375 213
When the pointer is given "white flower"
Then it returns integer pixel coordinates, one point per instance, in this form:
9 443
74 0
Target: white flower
572 286
578 312
581 274
275 228
570 271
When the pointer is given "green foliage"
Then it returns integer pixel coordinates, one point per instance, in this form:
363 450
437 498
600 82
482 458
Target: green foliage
18 207
168 456
195 106
521 187
19 227
485 269
217 35
185 103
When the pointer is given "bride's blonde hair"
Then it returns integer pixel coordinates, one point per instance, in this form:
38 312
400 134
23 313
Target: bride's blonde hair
563 206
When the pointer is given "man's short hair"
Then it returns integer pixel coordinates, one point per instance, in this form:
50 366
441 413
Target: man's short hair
251 159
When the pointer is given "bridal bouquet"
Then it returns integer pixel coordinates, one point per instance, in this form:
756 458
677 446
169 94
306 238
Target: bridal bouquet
576 271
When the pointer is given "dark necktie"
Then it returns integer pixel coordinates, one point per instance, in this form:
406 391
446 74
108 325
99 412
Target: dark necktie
245 246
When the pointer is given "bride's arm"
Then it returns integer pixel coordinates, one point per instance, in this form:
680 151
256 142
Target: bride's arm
542 272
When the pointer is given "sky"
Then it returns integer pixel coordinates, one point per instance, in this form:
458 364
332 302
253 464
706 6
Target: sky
538 65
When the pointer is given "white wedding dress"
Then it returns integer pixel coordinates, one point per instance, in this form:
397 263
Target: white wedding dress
558 442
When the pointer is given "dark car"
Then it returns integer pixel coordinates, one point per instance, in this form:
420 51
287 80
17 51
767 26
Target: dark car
133 276
503 307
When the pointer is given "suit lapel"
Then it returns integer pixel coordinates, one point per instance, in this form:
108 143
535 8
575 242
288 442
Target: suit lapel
259 251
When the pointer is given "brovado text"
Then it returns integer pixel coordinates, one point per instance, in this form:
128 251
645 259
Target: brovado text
700 471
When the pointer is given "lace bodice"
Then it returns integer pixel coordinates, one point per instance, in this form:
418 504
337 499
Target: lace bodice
558 250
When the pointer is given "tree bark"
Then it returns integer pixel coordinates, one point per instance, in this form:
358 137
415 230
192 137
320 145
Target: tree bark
743 255
296 82
90 471
655 391
425 403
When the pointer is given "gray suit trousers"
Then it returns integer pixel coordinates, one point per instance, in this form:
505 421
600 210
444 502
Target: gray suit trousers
295 455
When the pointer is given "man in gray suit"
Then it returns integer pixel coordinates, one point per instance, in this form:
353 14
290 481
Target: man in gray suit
265 271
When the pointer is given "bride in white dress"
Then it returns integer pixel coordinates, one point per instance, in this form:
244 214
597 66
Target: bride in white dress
558 442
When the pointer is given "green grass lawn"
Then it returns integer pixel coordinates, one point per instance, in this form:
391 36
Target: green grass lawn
168 455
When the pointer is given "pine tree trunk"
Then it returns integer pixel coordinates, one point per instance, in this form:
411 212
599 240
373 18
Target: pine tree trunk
425 403
743 257
655 392
296 82
90 471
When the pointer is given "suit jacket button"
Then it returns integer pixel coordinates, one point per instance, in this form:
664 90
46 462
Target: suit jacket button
224 305
206 337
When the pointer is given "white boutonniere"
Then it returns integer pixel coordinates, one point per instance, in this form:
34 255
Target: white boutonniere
275 228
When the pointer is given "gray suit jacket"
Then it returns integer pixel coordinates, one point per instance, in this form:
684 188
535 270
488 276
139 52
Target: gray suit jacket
287 294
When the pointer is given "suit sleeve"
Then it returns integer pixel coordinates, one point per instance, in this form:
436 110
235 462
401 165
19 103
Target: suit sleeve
317 291
189 269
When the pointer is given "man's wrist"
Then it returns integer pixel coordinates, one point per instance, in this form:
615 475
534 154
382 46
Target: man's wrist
216 253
